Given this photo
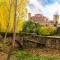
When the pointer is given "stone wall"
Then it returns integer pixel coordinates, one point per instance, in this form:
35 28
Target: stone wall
30 42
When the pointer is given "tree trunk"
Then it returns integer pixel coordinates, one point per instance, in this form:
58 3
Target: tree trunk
14 30
8 25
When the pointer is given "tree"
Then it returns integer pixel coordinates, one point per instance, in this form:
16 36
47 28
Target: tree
15 22
4 11
3 15
29 27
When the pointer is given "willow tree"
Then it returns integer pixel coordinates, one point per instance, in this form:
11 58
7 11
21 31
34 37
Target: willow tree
4 14
20 13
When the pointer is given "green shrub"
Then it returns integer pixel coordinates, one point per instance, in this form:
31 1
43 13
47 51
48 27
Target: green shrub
46 30
58 31
21 55
30 27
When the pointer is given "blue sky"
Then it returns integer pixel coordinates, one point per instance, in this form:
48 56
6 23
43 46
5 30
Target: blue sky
46 2
46 7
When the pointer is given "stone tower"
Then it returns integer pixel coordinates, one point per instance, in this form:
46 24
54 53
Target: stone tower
56 19
29 16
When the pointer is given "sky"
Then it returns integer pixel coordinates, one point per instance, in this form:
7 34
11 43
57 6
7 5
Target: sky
46 7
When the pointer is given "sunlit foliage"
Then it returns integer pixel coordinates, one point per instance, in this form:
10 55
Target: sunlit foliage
47 30
21 14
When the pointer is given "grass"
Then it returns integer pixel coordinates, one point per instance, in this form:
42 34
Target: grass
23 55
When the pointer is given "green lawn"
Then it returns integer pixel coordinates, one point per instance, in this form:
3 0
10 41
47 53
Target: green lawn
22 55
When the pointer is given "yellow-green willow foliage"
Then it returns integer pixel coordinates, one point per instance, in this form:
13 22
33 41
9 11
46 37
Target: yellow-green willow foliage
21 14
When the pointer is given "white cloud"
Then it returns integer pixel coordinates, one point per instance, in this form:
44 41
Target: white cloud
48 10
37 6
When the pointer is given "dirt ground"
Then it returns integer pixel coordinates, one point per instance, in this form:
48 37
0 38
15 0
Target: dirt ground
44 52
38 51
3 56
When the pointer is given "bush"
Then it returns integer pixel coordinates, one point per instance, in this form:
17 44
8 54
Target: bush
21 55
5 45
47 30
31 27
58 31
1 37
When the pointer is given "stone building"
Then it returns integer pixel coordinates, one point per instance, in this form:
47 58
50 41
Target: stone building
38 18
56 19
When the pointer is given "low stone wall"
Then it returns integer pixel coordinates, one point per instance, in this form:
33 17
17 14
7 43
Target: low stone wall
33 42
55 43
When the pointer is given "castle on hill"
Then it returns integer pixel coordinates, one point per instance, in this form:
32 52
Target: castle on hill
39 18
